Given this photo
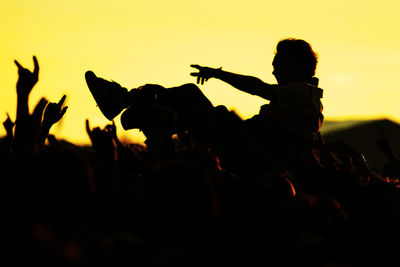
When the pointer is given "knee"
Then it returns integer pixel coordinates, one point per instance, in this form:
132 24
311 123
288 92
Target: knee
190 89
190 86
130 119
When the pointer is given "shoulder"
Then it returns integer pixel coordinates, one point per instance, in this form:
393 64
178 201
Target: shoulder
300 89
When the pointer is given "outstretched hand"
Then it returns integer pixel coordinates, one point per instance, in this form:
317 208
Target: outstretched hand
54 112
26 78
204 73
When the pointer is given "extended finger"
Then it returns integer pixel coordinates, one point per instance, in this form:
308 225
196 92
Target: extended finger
36 66
18 65
63 111
195 66
195 73
61 102
88 127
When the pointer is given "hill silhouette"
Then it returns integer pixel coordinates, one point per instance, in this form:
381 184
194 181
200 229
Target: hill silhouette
363 136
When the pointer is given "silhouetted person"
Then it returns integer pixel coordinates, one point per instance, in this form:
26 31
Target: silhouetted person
31 130
113 205
286 128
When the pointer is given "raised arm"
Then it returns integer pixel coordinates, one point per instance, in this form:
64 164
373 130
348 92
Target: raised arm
248 84
26 81
52 114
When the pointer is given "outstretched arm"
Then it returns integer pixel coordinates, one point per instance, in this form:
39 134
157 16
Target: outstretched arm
248 84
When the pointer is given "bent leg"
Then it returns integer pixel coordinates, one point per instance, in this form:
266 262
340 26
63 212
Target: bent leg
188 101
185 97
214 127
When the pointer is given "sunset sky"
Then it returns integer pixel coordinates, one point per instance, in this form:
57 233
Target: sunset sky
138 42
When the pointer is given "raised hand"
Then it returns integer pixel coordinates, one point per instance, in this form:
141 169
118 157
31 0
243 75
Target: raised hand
26 78
112 130
96 135
204 73
102 138
54 112
8 125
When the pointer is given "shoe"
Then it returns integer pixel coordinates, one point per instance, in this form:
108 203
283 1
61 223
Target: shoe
109 96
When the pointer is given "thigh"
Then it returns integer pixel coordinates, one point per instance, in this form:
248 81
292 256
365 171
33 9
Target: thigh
186 98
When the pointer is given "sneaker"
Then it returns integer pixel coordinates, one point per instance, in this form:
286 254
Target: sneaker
109 96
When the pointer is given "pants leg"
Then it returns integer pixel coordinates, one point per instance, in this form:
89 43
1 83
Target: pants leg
214 127
188 101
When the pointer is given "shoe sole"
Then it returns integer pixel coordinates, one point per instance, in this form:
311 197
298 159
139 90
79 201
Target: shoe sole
105 106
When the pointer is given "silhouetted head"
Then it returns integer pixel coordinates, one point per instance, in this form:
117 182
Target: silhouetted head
294 61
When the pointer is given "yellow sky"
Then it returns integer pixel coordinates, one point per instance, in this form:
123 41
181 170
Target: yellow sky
138 42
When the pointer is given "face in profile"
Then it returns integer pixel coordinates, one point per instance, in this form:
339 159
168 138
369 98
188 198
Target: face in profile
288 70
284 70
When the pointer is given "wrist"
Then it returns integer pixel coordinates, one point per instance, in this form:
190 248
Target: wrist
217 73
46 125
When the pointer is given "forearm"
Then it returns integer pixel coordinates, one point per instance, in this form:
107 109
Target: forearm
248 84
44 132
22 118
21 122
22 107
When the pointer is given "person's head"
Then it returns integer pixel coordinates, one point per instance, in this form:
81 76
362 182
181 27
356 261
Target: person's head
294 61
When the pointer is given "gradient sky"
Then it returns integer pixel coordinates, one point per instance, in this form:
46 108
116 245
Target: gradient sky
138 42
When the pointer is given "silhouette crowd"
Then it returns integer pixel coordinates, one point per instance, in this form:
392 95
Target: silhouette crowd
206 188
